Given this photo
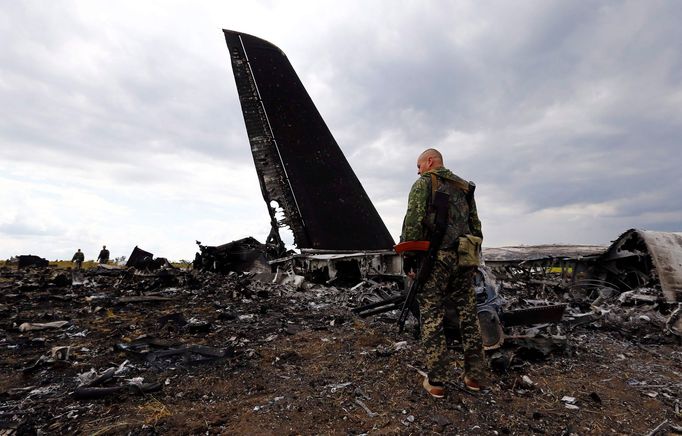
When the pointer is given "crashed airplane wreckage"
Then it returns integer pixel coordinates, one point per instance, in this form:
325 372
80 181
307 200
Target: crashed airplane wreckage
636 259
309 187
640 271
306 181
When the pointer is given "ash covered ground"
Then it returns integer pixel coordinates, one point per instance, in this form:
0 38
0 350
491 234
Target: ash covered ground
119 351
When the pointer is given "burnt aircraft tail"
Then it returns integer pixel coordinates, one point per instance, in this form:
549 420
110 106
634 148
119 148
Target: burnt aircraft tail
300 167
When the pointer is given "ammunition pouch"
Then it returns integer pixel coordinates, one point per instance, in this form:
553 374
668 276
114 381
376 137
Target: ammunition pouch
469 250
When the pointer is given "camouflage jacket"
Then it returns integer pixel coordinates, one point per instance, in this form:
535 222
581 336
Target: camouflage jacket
462 216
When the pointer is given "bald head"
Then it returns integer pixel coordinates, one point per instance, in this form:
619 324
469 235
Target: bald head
430 159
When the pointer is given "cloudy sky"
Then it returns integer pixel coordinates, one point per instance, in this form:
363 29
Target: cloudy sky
120 122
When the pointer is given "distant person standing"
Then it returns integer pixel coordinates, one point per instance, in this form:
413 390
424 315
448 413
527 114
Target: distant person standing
103 255
78 258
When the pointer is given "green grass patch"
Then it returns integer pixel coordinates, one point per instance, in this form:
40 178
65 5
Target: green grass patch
64 264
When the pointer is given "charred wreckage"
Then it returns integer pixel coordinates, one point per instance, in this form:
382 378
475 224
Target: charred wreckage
310 188
529 297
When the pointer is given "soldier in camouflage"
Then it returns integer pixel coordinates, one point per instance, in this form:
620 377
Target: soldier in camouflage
78 259
449 288
103 255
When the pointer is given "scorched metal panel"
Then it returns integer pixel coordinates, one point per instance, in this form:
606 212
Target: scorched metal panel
300 166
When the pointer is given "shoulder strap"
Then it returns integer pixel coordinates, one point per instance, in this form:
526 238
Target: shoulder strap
462 185
434 186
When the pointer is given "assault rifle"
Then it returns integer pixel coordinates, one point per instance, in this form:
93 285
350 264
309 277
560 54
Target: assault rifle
440 206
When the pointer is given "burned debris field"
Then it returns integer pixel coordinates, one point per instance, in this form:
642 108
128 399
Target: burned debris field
160 350
257 339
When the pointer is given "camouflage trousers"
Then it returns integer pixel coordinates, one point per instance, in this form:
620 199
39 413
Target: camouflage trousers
449 288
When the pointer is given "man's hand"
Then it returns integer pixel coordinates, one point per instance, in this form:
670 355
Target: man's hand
411 262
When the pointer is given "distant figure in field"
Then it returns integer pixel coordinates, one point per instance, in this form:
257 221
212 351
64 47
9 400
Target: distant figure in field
103 255
78 258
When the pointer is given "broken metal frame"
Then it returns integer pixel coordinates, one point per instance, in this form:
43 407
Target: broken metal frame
554 265
641 258
329 265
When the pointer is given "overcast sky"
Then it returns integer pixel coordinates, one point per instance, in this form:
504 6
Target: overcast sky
120 122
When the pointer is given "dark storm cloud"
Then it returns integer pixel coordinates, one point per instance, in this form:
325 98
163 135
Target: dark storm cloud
574 103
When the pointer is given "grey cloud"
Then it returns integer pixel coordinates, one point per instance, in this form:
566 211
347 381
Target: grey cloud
567 103
27 229
133 92
628 147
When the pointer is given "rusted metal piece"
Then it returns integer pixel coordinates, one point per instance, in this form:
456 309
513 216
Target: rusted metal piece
305 179
641 258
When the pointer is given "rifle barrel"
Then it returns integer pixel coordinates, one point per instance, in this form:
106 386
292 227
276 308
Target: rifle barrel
397 298
382 309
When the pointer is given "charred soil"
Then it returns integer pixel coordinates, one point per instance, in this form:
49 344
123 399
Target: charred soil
202 353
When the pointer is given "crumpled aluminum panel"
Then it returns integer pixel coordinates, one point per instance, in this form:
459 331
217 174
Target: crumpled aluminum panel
299 164
516 254
665 251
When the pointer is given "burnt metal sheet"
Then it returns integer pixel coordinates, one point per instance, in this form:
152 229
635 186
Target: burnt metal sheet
139 258
538 252
25 261
639 256
534 315
300 167
246 254
355 266
549 264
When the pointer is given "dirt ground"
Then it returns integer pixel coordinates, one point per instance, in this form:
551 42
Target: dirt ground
285 361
